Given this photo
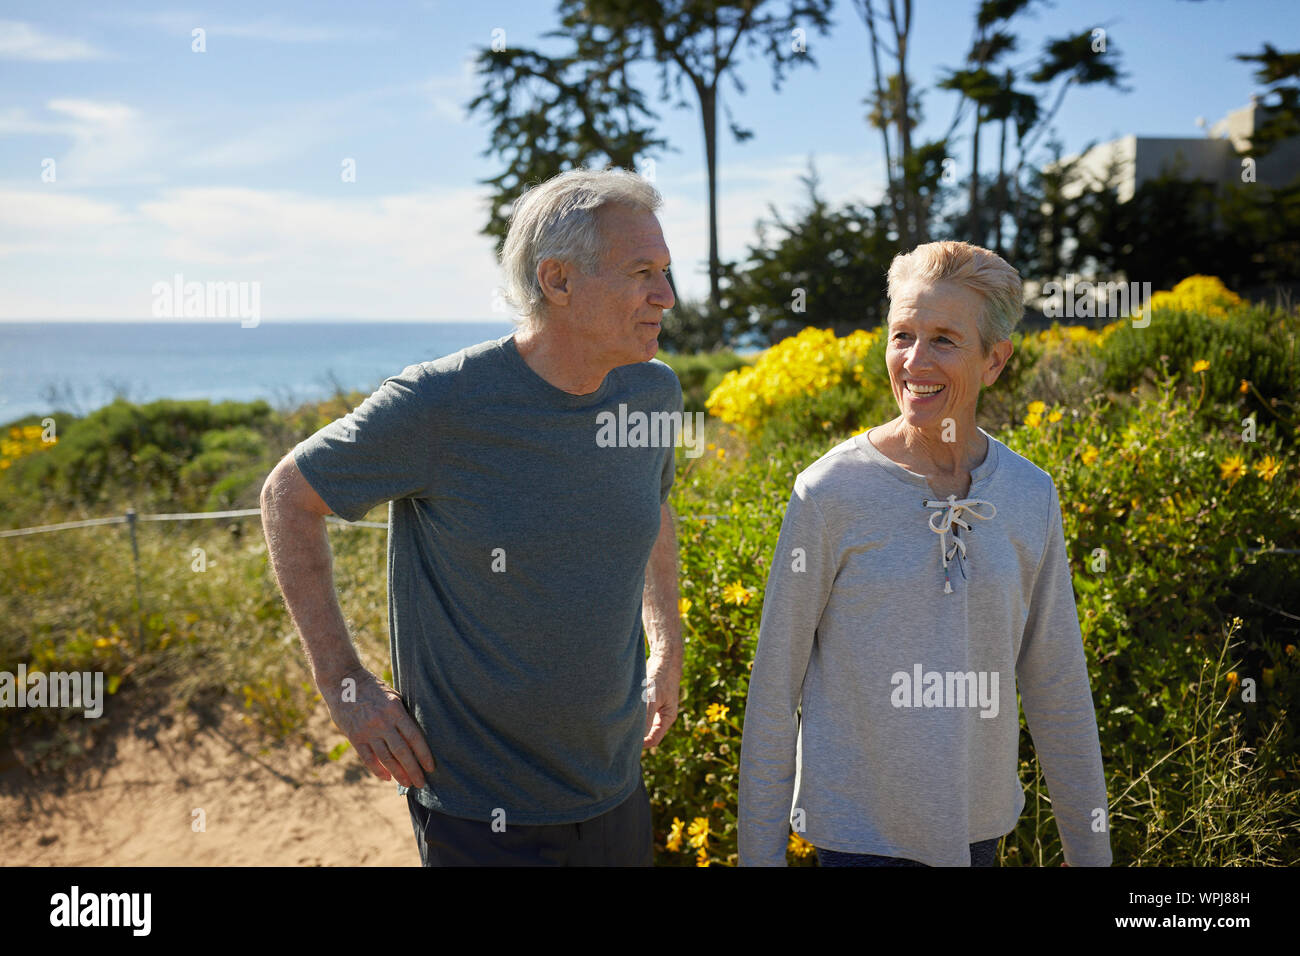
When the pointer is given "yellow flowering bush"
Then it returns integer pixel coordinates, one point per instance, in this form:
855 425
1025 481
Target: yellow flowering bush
1080 336
1203 294
22 441
1200 328
1170 526
804 364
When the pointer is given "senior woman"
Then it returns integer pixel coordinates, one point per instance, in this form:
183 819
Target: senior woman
920 576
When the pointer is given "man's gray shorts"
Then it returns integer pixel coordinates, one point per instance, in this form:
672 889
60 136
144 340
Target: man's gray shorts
619 837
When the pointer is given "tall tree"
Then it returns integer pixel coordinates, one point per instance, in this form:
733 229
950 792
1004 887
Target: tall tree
1279 71
696 42
556 113
990 95
824 269
894 103
1082 59
1008 106
553 113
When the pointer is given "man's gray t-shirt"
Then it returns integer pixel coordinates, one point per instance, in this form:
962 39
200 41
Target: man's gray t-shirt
517 551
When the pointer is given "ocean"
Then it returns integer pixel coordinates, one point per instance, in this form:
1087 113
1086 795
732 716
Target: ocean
80 366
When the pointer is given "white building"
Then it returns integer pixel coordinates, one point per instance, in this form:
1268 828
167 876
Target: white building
1215 157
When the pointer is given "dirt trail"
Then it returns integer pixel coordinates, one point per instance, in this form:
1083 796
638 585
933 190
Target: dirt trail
132 803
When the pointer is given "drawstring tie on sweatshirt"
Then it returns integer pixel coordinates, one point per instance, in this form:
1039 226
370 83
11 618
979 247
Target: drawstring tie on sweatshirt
941 522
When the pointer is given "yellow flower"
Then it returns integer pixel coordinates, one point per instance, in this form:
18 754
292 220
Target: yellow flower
1055 416
1268 468
736 593
1037 408
1090 455
702 858
722 453
1034 419
1200 366
1232 469
1245 386
798 845
1233 679
675 835
1205 294
683 606
698 832
715 712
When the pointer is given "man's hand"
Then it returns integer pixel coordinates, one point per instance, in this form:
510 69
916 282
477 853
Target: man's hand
387 739
664 678
663 628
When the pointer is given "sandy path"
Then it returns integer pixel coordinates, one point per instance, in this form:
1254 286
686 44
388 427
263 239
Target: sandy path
133 804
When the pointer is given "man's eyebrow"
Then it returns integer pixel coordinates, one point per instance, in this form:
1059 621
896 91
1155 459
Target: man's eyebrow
940 329
644 262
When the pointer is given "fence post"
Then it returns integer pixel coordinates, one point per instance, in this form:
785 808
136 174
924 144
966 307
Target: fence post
135 560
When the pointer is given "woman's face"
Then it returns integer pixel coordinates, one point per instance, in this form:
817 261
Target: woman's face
936 364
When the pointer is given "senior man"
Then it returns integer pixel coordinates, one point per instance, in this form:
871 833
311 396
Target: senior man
881 719
523 554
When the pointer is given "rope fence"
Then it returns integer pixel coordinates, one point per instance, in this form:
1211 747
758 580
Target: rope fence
131 519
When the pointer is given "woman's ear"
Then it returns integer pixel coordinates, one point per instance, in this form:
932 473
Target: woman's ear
999 355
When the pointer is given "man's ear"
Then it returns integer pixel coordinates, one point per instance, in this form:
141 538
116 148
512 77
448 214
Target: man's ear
553 276
999 355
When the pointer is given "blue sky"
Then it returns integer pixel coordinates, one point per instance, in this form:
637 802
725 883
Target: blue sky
225 165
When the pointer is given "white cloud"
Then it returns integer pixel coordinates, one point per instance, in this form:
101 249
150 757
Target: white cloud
270 29
278 31
50 213
448 94
16 120
415 255
22 41
113 115
111 144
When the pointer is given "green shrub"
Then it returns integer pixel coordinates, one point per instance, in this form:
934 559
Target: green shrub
1254 344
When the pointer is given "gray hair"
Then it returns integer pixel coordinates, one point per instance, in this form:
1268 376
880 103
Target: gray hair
977 269
557 220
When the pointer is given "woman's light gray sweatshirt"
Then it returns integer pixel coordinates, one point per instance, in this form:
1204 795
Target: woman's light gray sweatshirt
882 714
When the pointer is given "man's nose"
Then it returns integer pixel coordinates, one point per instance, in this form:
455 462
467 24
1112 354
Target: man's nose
664 293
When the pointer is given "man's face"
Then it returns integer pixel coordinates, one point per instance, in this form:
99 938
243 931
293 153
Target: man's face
621 307
936 364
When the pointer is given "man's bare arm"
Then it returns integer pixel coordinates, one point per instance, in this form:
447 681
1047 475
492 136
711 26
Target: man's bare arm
663 627
369 712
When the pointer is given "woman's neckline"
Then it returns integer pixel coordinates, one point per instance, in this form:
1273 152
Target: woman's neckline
979 473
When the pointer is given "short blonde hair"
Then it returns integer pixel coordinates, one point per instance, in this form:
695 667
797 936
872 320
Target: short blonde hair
974 267
557 220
